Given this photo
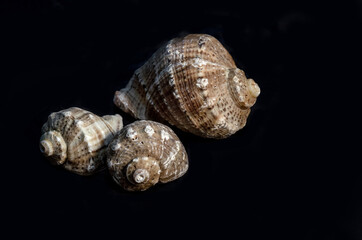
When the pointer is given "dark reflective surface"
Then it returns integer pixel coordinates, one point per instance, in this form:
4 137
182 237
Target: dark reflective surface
293 172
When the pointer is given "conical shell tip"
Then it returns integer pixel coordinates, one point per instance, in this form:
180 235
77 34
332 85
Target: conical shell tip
254 88
46 148
141 175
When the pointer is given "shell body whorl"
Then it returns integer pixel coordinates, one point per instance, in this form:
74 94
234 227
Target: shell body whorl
76 139
193 84
144 153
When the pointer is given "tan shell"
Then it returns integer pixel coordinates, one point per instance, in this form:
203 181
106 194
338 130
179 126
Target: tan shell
191 83
77 139
144 153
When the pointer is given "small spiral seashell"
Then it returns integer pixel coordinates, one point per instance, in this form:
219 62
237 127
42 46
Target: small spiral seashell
77 139
193 84
144 153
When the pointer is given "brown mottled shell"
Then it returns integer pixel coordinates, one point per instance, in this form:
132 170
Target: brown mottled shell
193 84
144 153
77 139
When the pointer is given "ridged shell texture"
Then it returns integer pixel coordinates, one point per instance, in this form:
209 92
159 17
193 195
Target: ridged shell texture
144 153
194 84
77 139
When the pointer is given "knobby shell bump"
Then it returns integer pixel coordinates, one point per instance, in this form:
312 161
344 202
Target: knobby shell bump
193 84
144 153
77 139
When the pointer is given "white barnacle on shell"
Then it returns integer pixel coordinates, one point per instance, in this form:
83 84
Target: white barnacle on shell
236 79
211 101
202 83
164 135
149 130
132 134
198 62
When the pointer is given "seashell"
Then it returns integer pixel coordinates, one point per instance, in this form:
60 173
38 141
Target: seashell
77 139
193 84
144 153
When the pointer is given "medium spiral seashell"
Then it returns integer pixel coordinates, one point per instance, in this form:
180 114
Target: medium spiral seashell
144 153
193 84
77 139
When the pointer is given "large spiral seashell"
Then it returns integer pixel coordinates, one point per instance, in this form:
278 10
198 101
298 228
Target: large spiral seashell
144 153
193 84
77 139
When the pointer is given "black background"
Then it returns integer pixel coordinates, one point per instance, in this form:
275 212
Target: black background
293 172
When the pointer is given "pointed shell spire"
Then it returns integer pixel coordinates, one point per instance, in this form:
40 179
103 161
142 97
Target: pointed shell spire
52 145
